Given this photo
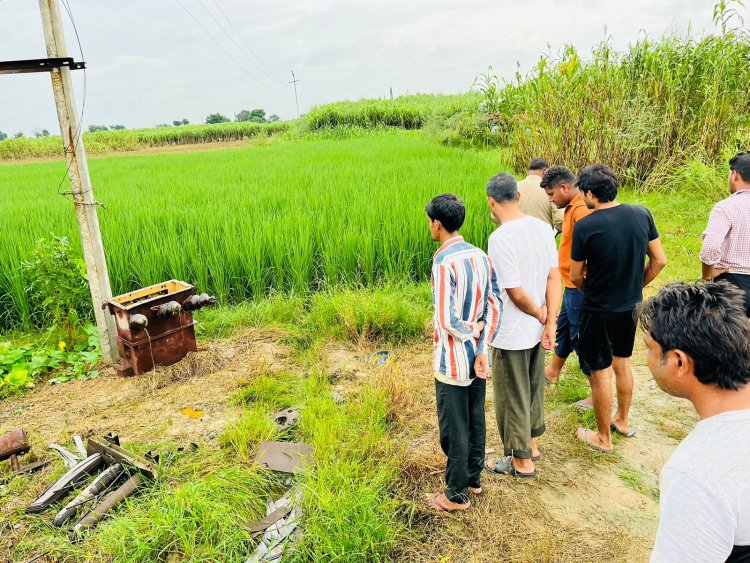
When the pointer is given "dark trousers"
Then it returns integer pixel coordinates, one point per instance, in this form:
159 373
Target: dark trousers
568 322
741 281
518 386
462 435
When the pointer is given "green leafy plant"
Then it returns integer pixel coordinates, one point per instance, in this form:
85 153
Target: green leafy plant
20 365
57 286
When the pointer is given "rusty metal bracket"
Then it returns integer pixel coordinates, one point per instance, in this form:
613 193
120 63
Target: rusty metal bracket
39 65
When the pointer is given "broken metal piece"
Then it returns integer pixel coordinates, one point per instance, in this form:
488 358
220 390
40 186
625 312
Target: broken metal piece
287 457
78 441
338 398
270 519
60 488
109 502
110 446
69 458
102 482
278 534
287 418
14 444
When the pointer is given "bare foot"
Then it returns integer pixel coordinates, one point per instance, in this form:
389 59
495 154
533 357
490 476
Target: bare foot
551 374
595 440
586 404
535 453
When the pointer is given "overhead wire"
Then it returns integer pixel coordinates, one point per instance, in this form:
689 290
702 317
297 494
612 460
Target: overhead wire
218 44
79 131
261 65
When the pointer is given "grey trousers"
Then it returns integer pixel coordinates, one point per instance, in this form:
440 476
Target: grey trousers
518 386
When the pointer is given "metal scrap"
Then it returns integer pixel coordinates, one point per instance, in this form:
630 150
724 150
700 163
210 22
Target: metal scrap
277 535
287 457
69 458
287 418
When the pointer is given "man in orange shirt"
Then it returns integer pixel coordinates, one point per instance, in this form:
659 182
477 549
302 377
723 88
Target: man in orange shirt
559 183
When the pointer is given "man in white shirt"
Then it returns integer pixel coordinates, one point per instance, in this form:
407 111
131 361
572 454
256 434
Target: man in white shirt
524 257
698 341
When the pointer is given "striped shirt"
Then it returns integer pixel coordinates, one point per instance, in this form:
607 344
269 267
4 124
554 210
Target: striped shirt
726 241
462 295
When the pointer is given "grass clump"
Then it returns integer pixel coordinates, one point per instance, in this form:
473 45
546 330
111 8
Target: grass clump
394 314
271 391
276 310
637 481
352 512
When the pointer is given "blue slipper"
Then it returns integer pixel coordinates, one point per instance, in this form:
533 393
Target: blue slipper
629 434
581 406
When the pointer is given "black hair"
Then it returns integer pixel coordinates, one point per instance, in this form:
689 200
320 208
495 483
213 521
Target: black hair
706 321
503 187
600 180
741 163
538 164
556 175
449 210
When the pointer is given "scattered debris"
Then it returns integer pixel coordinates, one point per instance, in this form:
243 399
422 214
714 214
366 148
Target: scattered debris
286 457
69 458
78 441
105 492
287 418
60 488
278 527
338 398
192 413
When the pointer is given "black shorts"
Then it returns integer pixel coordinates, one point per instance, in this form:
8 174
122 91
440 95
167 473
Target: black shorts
603 335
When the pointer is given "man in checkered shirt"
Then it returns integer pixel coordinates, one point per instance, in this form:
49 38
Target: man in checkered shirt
726 242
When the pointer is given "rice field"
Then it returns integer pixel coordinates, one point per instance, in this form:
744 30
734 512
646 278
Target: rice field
240 223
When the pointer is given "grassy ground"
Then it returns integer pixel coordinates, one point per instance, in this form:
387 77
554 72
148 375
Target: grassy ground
377 453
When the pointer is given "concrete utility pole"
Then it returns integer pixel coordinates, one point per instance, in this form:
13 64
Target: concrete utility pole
78 170
294 81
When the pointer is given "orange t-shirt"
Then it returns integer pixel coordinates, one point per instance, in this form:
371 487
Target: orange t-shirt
574 212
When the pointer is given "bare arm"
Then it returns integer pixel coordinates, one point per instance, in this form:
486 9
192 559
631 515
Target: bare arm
656 261
710 272
554 296
523 301
576 274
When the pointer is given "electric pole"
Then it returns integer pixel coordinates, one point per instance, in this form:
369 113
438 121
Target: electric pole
78 170
294 81
391 89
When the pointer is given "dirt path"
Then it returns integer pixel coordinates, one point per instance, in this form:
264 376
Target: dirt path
582 507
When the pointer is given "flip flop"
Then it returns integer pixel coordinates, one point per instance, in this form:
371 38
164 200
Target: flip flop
505 467
584 439
437 505
581 406
629 434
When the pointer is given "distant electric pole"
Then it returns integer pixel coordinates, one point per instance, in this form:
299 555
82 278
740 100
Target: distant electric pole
391 89
294 81
83 194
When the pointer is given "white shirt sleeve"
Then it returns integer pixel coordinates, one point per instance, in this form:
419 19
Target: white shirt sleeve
552 253
694 525
504 258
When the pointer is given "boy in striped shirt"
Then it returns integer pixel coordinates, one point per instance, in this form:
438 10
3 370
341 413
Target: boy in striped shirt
467 314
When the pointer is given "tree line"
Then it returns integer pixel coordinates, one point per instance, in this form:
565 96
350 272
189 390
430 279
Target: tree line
253 116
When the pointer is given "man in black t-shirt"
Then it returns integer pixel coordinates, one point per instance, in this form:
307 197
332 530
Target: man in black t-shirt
611 246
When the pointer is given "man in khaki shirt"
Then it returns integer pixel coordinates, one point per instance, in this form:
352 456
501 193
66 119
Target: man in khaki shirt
534 200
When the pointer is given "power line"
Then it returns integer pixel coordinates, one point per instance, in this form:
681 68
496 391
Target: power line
227 53
249 48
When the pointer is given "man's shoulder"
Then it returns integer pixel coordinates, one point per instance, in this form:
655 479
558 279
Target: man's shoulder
459 251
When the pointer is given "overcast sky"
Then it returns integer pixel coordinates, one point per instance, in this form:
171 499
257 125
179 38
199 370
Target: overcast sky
150 62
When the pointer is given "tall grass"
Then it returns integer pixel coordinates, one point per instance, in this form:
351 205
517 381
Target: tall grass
139 139
241 223
646 110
